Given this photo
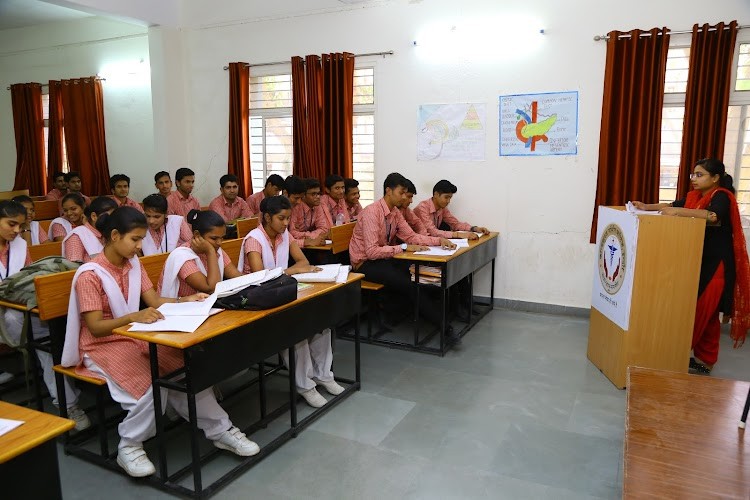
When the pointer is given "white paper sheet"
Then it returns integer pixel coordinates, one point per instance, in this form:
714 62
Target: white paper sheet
630 208
343 274
198 308
460 242
228 287
329 242
187 324
7 425
327 274
437 251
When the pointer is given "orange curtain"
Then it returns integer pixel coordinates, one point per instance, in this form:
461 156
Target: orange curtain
707 97
238 162
323 105
630 135
55 135
85 139
28 122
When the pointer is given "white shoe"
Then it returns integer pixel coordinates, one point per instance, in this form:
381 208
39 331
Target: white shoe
135 461
235 441
331 386
79 416
6 377
313 398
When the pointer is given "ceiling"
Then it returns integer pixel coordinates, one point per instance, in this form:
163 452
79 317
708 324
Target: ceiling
22 13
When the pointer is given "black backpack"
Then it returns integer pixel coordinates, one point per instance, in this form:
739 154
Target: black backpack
272 293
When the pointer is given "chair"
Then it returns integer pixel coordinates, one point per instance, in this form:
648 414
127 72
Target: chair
340 237
48 209
45 250
233 248
154 264
244 226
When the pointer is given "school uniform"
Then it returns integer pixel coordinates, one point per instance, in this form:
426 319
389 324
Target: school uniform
55 194
12 259
433 218
38 236
230 211
307 222
124 362
60 227
332 208
82 244
86 199
173 233
314 357
415 223
354 210
253 202
177 204
181 263
128 203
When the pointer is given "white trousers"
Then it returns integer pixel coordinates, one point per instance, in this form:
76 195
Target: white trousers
140 422
14 325
313 359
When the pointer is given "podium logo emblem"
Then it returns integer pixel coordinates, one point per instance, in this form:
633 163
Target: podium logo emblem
612 259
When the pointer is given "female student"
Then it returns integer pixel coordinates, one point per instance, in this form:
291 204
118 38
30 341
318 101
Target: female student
724 284
31 231
267 247
73 207
13 256
84 242
165 232
200 264
106 295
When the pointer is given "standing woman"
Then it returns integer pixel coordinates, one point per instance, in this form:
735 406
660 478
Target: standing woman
85 241
73 207
269 246
106 294
724 284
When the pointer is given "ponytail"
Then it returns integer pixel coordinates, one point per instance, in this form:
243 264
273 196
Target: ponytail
716 167
727 182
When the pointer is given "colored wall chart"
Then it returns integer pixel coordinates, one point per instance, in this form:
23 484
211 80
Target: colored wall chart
453 132
539 124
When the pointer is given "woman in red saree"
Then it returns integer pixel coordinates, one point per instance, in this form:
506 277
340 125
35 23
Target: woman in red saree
724 284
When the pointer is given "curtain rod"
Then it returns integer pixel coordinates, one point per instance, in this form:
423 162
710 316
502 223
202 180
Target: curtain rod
680 32
386 53
74 83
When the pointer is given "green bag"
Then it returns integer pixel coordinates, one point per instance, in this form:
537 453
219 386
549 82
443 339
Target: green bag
19 287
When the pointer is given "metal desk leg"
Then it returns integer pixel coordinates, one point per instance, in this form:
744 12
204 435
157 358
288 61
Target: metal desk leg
357 376
416 305
293 390
34 364
262 388
195 448
158 414
743 420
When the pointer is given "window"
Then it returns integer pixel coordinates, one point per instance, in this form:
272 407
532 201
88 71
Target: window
271 145
45 108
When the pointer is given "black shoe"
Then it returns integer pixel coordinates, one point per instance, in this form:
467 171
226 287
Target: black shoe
451 336
698 368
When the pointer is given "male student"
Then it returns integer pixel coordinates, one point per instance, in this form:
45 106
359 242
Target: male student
181 201
163 183
274 187
60 189
375 241
228 204
73 181
438 220
333 203
308 221
414 222
351 196
120 186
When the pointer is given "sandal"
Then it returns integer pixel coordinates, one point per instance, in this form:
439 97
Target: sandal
698 368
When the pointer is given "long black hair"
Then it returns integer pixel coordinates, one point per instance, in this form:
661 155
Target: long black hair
204 221
272 205
76 198
156 202
716 167
100 205
124 219
10 208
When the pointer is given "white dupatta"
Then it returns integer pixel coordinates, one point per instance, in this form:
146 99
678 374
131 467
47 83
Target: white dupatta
91 243
269 262
63 222
169 241
170 281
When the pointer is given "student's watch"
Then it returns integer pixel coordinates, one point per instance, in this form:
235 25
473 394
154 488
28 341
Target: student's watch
403 246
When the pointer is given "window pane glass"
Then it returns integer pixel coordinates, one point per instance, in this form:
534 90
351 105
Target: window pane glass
675 79
364 156
671 141
743 68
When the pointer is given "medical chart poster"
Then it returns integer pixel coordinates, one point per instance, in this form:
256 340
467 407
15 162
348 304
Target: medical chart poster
539 124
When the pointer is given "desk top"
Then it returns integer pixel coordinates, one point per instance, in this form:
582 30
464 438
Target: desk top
445 258
681 437
324 248
229 320
37 428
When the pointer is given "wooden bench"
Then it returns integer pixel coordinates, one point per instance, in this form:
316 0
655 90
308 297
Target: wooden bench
341 236
232 248
244 226
45 224
45 250
154 265
48 209
9 195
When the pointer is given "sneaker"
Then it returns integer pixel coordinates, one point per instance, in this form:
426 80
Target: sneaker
79 417
234 440
135 461
6 377
333 388
313 398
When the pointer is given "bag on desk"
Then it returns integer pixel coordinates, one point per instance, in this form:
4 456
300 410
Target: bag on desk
272 293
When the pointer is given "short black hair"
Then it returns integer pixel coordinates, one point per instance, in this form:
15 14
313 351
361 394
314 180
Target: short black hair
57 175
411 188
100 205
443 187
117 178
228 178
161 174
10 208
393 180
333 179
275 180
350 184
155 202
124 219
182 173
77 199
295 185
22 198
71 175
204 221
311 183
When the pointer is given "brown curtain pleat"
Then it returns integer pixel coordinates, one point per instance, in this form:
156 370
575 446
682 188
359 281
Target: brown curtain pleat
707 97
630 136
338 89
85 138
28 122
239 126
299 117
55 134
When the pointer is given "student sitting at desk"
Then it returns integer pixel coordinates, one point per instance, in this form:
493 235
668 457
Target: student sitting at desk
14 255
294 189
74 207
73 180
351 196
165 232
333 203
308 221
274 186
85 241
60 189
415 223
106 295
182 201
120 186
163 183
31 231
228 204
269 246
374 242
439 221
201 263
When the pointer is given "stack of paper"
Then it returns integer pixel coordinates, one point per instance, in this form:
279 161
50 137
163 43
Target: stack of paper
460 242
327 274
7 425
230 287
437 251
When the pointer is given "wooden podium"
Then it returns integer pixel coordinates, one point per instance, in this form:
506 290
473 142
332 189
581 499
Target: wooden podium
662 305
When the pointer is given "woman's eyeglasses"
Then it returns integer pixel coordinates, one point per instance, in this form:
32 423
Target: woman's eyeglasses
697 175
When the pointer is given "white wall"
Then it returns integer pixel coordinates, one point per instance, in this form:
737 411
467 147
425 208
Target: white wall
83 48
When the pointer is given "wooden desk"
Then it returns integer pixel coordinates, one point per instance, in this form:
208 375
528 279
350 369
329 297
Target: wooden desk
232 341
28 455
681 437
